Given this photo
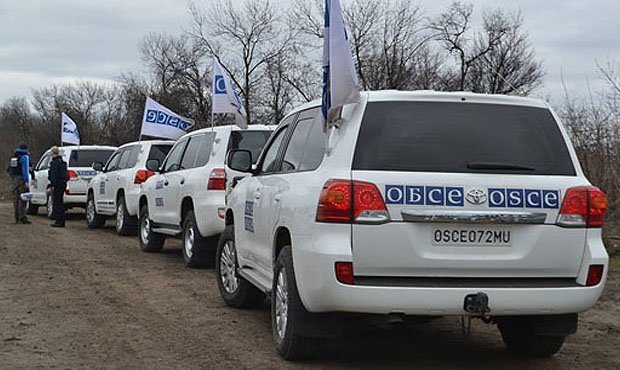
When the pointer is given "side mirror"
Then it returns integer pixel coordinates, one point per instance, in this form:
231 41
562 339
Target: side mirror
240 160
98 166
153 165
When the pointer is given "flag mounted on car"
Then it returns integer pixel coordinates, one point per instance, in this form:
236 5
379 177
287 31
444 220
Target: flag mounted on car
340 85
68 130
225 98
159 121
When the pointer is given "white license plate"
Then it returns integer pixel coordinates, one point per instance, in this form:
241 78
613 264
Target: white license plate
471 237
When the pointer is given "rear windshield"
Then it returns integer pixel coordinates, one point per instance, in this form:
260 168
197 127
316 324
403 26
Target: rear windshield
250 140
159 152
86 158
461 137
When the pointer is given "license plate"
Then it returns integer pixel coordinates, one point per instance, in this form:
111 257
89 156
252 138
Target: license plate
471 237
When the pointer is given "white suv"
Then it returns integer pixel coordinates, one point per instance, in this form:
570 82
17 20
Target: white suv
424 204
80 171
115 191
186 197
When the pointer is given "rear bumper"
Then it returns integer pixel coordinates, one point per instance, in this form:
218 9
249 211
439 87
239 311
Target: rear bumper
75 200
314 259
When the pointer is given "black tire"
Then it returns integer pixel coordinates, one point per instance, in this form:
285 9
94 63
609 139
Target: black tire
244 294
125 224
32 209
519 338
198 251
150 241
93 219
291 344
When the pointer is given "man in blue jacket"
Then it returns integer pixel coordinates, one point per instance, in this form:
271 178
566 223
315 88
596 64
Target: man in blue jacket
19 169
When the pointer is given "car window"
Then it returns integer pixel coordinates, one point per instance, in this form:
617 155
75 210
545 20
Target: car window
44 163
86 158
205 149
191 153
252 140
315 146
173 161
270 159
112 164
124 161
133 156
159 152
296 145
461 138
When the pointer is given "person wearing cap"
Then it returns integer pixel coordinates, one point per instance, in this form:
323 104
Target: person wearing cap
58 184
19 170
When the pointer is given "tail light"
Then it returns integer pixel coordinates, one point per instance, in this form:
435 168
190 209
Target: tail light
217 179
583 206
142 176
71 174
595 275
344 272
345 201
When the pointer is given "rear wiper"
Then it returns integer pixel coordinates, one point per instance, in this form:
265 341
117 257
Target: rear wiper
498 166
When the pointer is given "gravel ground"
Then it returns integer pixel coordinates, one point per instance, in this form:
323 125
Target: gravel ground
79 298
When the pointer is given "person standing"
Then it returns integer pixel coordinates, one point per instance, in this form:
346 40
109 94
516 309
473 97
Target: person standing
58 184
19 169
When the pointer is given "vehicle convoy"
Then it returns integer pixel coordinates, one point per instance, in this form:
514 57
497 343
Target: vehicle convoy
185 197
423 204
80 171
114 192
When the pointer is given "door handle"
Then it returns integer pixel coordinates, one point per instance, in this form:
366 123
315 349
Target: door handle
257 195
166 183
277 198
182 181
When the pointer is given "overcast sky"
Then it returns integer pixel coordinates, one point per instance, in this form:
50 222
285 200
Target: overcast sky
51 41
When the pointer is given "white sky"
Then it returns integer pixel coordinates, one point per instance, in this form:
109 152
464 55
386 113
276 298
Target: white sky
51 41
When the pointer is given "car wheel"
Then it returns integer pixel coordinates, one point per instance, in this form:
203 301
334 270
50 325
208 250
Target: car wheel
198 251
288 312
49 207
519 338
32 209
234 289
125 224
93 219
150 241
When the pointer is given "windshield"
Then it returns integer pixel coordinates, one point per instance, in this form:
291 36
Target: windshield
250 140
461 137
86 158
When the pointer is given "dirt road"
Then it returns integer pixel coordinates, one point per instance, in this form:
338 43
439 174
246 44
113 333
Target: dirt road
82 298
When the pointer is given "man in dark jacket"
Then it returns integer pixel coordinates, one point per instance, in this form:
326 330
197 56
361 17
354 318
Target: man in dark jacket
58 184
19 169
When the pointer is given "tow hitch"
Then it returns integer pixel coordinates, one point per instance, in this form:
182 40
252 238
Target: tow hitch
476 304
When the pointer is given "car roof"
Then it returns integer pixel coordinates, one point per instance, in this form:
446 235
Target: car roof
253 127
151 142
86 147
438 96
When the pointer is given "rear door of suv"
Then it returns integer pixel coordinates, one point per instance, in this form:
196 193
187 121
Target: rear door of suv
472 190
80 167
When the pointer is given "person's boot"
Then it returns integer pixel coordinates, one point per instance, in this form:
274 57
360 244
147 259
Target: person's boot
25 221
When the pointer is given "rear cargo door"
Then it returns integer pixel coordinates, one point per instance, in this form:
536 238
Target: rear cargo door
472 190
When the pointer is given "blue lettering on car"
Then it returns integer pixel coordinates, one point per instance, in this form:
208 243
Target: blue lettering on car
159 202
425 195
249 216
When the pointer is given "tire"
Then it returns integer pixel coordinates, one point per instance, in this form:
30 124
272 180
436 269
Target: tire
93 219
49 209
288 312
234 289
150 241
519 338
198 251
32 209
125 224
